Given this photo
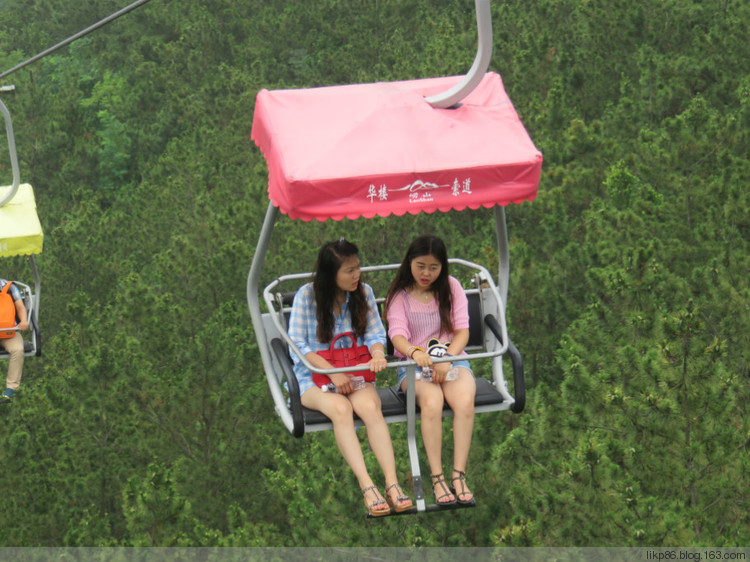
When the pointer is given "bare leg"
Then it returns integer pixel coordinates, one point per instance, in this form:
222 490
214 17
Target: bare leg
460 396
367 405
338 408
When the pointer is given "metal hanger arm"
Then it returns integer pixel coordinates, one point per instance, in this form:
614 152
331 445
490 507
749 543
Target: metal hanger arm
13 156
451 97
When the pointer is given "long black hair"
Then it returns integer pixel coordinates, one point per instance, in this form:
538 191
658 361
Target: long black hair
330 258
426 245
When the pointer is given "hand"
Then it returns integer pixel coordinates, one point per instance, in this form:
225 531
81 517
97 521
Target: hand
439 372
422 358
377 363
23 325
342 382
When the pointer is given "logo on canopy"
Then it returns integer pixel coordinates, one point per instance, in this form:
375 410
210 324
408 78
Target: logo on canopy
419 191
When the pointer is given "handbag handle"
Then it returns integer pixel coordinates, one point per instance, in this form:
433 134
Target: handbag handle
341 335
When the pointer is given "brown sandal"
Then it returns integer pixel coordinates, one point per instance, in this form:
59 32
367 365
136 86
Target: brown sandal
464 488
400 499
379 507
440 479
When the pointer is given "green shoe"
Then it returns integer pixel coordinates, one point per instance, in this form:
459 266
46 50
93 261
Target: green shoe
7 396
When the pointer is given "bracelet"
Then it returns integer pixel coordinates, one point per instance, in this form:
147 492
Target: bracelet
412 350
378 351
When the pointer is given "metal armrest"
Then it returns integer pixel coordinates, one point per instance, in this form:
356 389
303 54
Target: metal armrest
295 402
519 385
37 335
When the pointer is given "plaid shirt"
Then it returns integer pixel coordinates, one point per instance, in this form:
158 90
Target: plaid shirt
303 326
14 292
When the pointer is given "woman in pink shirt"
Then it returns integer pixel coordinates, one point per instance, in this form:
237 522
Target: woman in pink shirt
425 302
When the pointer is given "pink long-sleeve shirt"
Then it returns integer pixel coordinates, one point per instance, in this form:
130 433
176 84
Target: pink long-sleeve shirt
418 322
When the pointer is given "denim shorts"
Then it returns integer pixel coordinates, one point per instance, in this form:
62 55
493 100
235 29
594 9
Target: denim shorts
460 363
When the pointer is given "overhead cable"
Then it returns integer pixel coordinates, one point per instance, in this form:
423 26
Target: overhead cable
72 38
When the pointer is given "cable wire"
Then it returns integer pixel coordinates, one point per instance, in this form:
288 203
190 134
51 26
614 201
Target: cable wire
72 38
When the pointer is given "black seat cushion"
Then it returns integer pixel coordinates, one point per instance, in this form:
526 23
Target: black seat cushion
391 405
486 395
394 402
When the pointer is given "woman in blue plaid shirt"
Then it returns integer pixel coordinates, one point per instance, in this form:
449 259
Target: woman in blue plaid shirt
336 302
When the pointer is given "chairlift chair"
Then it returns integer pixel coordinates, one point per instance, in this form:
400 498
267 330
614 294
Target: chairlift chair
366 150
21 234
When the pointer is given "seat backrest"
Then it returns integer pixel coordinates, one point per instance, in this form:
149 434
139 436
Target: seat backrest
476 322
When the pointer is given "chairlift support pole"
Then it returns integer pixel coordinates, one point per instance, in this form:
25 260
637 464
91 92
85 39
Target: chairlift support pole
503 254
411 437
452 96
256 315
12 152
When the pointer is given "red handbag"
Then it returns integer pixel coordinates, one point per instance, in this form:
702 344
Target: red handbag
345 357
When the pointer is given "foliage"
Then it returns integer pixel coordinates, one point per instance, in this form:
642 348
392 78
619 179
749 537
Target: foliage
147 421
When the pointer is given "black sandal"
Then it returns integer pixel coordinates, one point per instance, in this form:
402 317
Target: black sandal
440 479
464 488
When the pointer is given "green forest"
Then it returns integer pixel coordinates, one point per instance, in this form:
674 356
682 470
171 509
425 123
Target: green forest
147 421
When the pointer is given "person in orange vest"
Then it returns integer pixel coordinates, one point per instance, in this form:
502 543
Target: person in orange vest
14 345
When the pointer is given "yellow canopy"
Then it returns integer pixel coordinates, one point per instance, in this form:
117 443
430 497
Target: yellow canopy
20 230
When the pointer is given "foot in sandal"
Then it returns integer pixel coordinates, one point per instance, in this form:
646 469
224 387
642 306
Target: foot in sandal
376 505
443 495
459 487
396 498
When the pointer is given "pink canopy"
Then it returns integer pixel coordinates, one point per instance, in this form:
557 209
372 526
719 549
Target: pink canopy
378 149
